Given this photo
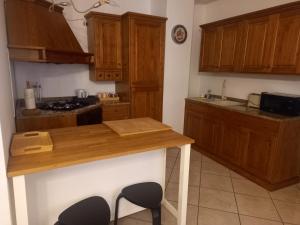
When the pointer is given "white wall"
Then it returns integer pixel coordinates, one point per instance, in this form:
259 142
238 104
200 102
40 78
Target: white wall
62 80
177 59
238 85
6 121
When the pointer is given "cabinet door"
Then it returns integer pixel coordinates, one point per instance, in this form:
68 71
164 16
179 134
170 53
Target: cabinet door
229 46
210 49
259 38
147 102
234 143
108 48
146 49
203 130
257 158
287 56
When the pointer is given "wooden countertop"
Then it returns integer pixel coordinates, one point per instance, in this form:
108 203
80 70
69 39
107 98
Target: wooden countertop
77 145
248 111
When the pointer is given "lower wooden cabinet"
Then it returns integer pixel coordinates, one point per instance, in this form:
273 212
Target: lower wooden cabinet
115 111
264 150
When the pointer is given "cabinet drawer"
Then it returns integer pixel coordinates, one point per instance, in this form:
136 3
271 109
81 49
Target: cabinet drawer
115 112
109 75
100 75
117 75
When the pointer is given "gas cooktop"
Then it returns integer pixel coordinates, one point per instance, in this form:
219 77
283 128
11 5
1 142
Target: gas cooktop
68 104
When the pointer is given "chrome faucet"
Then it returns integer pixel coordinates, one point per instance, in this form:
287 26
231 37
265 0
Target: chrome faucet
223 97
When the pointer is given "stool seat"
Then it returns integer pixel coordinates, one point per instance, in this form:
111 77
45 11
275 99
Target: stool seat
90 211
147 195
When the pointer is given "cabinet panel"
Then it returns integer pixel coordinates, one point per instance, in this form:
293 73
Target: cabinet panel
229 47
257 158
210 49
147 51
259 39
108 47
146 102
234 143
204 130
115 112
104 40
287 58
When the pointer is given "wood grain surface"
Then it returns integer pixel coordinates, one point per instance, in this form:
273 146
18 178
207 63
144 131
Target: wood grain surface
136 126
77 145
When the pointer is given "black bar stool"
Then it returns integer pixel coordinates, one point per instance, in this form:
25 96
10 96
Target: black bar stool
90 211
147 195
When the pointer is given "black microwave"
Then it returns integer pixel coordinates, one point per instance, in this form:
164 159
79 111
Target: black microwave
279 103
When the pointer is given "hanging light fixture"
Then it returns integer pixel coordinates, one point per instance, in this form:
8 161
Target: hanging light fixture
71 3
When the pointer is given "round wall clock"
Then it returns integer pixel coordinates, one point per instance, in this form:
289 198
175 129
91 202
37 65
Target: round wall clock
179 34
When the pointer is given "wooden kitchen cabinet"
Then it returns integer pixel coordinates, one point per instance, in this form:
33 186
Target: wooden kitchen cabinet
287 47
143 38
265 150
265 41
233 143
257 157
211 49
104 39
258 44
204 130
115 111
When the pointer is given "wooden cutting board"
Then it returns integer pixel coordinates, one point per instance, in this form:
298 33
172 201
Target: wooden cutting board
31 142
136 126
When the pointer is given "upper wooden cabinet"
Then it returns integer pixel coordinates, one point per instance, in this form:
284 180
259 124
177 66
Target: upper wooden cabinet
266 41
287 55
104 39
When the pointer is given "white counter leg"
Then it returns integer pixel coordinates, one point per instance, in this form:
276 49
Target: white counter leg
183 184
163 180
20 196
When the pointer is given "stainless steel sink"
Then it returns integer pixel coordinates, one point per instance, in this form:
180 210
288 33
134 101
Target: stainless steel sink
217 101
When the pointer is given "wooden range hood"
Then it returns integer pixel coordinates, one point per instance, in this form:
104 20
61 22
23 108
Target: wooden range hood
37 35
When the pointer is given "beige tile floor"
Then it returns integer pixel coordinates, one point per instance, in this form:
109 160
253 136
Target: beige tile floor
219 196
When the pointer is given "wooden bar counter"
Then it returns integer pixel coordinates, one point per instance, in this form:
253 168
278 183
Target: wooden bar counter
82 145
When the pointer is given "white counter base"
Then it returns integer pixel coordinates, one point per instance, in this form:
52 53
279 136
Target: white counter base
41 197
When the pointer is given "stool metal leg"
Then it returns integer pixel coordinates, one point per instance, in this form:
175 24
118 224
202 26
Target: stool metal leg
117 209
156 216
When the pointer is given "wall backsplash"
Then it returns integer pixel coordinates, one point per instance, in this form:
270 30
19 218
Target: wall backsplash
58 80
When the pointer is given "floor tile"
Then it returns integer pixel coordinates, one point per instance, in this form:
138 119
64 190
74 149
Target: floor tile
216 217
214 168
289 212
169 219
248 187
168 174
194 177
172 193
288 194
216 182
144 215
257 207
247 220
195 156
170 162
236 175
130 221
216 199
194 165
173 152
206 159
